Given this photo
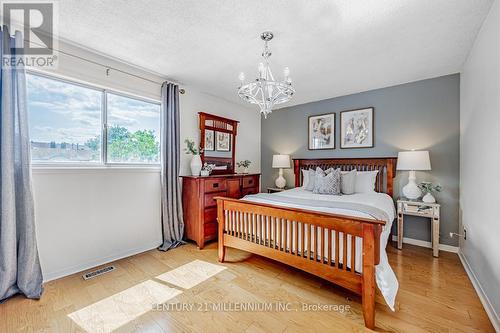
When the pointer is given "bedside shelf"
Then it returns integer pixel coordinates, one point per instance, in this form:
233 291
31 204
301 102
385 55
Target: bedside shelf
275 189
421 209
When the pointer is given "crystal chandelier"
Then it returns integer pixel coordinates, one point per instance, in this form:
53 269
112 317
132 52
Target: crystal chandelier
265 91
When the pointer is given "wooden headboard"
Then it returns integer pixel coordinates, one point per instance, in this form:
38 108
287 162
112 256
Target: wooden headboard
386 167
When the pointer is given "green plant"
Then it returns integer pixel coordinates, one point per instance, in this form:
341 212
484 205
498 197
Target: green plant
126 146
427 187
191 148
208 167
244 164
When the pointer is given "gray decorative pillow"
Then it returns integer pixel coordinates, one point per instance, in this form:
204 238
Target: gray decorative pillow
327 183
312 179
327 171
348 181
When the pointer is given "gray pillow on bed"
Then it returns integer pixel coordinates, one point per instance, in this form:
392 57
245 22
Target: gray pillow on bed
312 177
327 182
311 180
348 181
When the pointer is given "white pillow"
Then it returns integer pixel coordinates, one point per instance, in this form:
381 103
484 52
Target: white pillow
365 181
348 181
305 178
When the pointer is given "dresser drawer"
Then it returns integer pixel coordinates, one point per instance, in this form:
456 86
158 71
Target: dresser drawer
215 185
250 190
210 230
210 215
209 198
250 181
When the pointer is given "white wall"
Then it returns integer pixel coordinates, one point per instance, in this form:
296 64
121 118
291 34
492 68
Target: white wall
479 161
248 138
87 217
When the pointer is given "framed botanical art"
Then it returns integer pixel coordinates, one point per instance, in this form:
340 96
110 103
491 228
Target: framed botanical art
322 131
357 128
209 140
222 141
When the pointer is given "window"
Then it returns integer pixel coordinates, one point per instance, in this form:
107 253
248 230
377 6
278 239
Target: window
133 130
65 121
66 124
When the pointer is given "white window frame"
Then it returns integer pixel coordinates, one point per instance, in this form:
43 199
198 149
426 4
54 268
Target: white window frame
103 130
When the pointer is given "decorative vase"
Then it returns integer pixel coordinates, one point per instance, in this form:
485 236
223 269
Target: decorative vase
245 170
429 198
196 165
204 173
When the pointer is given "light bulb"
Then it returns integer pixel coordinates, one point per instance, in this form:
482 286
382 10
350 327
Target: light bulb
241 77
261 70
286 72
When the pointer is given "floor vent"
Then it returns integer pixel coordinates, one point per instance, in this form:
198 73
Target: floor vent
100 271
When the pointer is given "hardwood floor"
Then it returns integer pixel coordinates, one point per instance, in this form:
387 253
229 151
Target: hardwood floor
435 295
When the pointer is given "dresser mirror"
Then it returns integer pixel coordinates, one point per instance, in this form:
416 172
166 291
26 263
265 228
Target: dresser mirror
218 142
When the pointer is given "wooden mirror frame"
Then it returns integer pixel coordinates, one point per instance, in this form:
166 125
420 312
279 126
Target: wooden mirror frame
221 124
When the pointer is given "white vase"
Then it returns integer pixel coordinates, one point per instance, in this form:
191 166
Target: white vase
245 170
429 198
196 165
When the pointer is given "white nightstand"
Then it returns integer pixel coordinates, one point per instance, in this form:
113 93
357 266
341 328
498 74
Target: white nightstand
422 209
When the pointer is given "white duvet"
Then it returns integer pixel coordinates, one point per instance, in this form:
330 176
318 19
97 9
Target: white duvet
385 277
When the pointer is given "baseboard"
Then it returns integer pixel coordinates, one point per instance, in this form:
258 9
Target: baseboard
49 276
417 242
488 307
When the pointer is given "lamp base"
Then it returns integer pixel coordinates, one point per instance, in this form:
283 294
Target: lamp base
411 190
280 181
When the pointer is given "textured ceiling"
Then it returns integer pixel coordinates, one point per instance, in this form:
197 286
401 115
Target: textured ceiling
333 48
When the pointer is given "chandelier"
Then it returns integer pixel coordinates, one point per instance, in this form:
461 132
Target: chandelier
265 91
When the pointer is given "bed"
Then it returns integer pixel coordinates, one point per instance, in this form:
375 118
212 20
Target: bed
339 238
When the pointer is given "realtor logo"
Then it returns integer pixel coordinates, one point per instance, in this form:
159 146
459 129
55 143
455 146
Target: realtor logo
37 22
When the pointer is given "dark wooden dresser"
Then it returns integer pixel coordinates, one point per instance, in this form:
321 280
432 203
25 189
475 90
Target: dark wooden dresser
199 206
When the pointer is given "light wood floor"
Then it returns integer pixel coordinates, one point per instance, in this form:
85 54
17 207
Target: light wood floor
435 295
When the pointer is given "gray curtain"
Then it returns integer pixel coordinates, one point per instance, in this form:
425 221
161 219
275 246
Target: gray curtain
20 270
171 200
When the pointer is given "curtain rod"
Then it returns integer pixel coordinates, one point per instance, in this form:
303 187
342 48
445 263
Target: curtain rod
108 68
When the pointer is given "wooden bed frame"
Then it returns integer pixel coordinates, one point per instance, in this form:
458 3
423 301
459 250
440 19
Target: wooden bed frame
262 229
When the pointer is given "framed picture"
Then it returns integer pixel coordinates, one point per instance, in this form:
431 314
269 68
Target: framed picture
222 141
322 131
209 140
356 128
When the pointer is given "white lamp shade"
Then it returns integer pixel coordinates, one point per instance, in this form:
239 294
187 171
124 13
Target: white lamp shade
414 160
281 161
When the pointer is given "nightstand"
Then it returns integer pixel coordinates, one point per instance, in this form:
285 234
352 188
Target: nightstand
422 209
275 189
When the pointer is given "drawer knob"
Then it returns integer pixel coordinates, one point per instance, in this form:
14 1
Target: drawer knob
250 181
216 185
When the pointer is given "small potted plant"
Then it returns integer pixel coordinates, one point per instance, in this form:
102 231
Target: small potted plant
428 188
191 149
207 169
244 164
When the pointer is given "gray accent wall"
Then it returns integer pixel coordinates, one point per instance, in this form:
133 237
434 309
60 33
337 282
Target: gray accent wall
422 115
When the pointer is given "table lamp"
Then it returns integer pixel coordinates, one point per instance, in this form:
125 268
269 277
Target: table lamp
413 161
281 161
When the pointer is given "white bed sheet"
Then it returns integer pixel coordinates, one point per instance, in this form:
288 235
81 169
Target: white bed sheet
385 277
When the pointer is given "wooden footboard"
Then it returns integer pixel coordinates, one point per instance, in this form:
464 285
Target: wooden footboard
319 243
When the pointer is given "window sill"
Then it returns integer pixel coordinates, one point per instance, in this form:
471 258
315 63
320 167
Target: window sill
51 169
